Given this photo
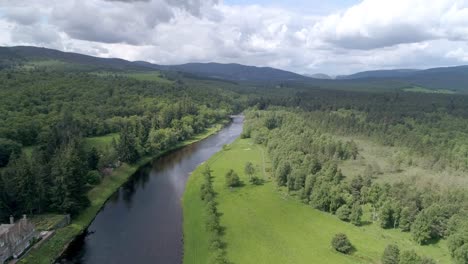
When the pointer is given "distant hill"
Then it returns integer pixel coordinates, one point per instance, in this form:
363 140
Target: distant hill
27 53
233 72
451 78
378 74
447 78
319 76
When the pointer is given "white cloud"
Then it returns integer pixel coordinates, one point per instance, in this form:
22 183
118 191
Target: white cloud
376 24
371 34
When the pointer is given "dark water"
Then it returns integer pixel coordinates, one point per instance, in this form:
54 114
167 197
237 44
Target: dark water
142 222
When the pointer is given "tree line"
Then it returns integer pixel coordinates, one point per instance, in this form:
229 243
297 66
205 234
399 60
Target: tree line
304 161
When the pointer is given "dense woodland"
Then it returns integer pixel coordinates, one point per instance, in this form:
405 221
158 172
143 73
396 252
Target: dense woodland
53 111
47 114
304 161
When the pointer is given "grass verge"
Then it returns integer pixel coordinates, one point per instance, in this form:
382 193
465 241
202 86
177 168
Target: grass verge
49 251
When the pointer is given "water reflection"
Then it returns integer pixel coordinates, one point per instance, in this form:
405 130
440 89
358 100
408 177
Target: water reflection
142 222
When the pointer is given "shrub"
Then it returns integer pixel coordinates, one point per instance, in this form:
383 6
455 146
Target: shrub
409 257
256 180
391 255
461 254
341 243
93 177
343 213
232 179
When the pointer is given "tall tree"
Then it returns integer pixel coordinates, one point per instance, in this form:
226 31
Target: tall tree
127 145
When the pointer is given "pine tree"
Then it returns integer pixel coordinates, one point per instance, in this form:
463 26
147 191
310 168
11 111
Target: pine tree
127 146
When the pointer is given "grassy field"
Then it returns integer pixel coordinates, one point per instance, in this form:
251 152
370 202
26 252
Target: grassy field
418 89
52 249
264 225
100 143
392 164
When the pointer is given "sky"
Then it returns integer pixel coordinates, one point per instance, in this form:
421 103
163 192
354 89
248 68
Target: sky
305 36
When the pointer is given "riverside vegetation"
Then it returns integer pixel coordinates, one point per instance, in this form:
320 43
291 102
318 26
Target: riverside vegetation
73 128
377 217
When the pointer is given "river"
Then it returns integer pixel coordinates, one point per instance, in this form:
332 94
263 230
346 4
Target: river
142 222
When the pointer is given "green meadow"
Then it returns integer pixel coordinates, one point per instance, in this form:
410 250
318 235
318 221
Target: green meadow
418 89
262 224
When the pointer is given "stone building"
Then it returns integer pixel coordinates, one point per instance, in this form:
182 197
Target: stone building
15 238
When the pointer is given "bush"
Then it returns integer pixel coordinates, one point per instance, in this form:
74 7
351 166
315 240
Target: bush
343 213
341 243
461 254
232 179
410 257
256 180
391 255
93 177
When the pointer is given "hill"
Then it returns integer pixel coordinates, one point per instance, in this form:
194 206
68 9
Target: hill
232 72
378 74
22 54
319 76
454 79
451 78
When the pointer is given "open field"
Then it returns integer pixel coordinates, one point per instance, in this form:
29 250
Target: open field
101 142
392 164
418 89
264 225
50 250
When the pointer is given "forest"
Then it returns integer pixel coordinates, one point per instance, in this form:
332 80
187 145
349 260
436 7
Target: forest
305 162
45 115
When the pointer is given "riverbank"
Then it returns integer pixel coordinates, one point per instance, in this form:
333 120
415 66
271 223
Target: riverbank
263 224
53 248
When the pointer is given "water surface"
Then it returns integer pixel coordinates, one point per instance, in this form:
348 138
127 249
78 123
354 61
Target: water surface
142 222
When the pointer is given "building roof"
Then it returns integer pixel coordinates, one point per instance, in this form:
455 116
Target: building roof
4 228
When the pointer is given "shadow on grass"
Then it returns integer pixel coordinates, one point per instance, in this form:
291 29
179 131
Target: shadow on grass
365 223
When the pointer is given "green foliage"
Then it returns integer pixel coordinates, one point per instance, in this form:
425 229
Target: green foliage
356 214
93 177
458 244
251 213
49 109
93 159
7 148
430 224
387 218
68 171
460 255
249 169
212 222
343 213
409 257
232 179
391 255
127 146
319 182
341 243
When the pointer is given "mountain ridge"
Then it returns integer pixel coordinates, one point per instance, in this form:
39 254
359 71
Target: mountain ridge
452 78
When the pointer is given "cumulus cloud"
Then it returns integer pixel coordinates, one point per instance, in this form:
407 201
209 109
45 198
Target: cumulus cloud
376 24
370 34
